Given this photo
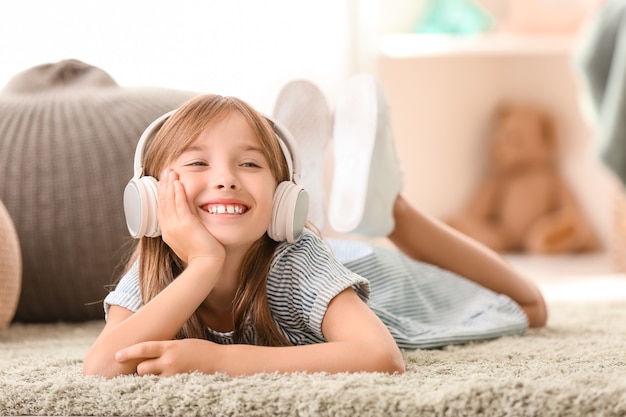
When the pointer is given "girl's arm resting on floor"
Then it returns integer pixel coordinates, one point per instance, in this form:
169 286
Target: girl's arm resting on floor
357 342
159 319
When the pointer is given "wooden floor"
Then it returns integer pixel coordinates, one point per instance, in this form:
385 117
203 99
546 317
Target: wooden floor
587 277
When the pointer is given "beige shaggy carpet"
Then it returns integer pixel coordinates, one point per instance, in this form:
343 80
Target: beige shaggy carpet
576 366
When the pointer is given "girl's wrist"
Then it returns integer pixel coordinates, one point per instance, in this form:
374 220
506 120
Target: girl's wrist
207 261
204 258
206 269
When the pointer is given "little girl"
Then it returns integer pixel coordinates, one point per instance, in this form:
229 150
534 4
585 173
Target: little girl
225 278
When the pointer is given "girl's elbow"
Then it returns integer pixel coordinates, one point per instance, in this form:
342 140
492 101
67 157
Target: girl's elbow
390 361
95 365
396 365
92 368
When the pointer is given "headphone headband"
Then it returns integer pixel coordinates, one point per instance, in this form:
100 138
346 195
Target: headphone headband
146 137
287 143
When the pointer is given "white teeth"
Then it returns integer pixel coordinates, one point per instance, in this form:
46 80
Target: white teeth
223 209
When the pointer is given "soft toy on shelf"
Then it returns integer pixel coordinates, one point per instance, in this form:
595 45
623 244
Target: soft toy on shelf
524 204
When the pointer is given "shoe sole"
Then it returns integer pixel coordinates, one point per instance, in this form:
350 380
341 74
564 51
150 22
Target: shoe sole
311 129
354 137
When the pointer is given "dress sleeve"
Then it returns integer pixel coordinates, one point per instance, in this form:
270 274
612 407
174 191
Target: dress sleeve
303 279
126 294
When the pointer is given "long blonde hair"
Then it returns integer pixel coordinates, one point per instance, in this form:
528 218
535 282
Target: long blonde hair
159 265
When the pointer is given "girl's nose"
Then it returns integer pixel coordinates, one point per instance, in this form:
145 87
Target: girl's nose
229 185
226 180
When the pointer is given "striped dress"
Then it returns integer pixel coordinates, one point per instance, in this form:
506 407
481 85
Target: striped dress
422 306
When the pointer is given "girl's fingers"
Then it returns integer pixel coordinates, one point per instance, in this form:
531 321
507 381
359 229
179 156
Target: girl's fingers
170 194
147 353
142 351
166 195
148 367
180 199
181 227
162 188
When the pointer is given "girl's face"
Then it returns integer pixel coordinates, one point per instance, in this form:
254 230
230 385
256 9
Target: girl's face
228 181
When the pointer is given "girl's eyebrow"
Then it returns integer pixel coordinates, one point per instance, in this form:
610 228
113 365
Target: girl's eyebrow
252 148
243 148
193 148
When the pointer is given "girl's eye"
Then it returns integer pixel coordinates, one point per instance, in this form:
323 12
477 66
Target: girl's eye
196 164
250 165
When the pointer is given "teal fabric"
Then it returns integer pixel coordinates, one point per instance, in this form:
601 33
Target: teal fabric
457 17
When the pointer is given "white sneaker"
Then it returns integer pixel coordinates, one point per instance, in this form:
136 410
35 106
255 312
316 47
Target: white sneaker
302 108
367 177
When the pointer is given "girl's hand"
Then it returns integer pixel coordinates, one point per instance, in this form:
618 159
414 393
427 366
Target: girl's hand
168 357
181 229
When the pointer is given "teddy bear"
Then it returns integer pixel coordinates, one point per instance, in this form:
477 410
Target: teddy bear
524 204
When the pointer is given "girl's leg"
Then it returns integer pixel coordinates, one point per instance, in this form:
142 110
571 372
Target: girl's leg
427 239
365 200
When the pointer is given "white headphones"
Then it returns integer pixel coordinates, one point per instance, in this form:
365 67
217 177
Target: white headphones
290 204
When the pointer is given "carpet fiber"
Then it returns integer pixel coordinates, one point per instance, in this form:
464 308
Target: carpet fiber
576 366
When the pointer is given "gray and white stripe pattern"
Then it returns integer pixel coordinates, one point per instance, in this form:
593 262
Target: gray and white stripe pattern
426 307
422 306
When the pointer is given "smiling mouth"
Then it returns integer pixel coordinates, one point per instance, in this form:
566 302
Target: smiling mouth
226 209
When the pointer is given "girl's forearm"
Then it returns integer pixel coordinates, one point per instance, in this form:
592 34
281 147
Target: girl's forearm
357 342
159 319
331 357
163 316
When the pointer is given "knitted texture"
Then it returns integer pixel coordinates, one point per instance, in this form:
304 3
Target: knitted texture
67 139
10 268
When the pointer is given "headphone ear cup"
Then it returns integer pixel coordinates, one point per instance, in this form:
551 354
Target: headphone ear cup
289 212
140 207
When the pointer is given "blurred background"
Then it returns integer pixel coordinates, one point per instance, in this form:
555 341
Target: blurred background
446 64
242 47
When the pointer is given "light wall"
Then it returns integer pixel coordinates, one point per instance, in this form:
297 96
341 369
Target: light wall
245 48
443 138
250 48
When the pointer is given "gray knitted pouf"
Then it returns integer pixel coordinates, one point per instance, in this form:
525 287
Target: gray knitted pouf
67 139
10 268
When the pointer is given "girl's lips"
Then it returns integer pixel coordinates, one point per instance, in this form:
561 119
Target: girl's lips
226 208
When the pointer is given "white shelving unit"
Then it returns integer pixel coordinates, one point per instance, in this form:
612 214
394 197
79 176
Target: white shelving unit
426 45
443 91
